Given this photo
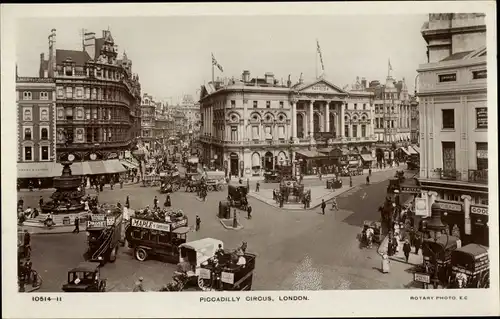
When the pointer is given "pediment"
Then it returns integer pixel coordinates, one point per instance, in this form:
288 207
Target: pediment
322 86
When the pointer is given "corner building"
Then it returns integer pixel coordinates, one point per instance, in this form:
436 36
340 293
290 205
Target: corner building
251 125
97 102
454 123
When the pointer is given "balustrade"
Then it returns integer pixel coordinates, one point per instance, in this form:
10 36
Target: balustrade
478 176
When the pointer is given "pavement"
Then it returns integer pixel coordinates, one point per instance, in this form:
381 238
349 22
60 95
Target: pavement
295 250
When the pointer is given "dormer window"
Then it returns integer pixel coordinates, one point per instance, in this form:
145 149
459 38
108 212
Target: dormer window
68 71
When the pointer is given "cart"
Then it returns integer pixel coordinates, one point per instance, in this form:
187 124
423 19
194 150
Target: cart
470 267
377 230
215 180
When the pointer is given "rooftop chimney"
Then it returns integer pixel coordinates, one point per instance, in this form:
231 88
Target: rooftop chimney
89 44
269 78
245 77
363 83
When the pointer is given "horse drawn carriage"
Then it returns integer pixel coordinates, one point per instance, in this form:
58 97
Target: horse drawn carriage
170 182
215 180
152 179
237 196
272 176
371 233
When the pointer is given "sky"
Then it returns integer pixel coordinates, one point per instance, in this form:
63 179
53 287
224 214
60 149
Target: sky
172 55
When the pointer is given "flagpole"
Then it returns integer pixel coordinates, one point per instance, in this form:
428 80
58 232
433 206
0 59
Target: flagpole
213 83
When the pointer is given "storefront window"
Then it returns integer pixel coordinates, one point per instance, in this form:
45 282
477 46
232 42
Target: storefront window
482 156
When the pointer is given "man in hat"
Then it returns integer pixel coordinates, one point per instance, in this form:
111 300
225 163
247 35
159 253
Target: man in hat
138 286
155 202
249 212
407 249
77 225
198 222
40 202
323 206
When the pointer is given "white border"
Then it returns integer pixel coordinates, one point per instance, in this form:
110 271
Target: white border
321 303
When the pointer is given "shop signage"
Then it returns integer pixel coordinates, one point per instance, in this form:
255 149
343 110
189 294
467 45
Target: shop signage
449 206
149 224
425 278
479 210
96 224
483 154
482 117
204 273
227 277
421 206
410 189
180 223
112 156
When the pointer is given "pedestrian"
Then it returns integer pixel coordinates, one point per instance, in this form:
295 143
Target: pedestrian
370 171
40 202
385 264
418 242
368 180
257 187
138 286
77 225
249 212
27 243
28 266
20 203
282 200
323 206
350 180
248 183
155 202
121 182
168 203
334 204
198 222
407 249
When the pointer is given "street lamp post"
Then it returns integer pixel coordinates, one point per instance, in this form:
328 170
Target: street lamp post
436 226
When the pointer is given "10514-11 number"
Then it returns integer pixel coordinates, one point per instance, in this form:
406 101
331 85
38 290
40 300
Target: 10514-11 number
43 298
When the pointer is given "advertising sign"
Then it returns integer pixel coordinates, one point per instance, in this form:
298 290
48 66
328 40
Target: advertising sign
479 210
410 189
180 223
148 224
204 273
482 117
449 206
425 278
227 277
97 217
96 224
421 207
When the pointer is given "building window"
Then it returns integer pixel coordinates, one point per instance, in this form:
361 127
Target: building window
355 106
255 104
451 77
392 123
27 114
234 133
27 95
44 95
268 104
482 156
45 153
94 113
28 153
87 114
346 130
448 119
44 114
44 134
363 130
69 113
60 92
233 104
281 104
79 93
69 92
94 93
449 163
346 105
68 70
481 117
87 93
354 131
479 74
27 133
364 106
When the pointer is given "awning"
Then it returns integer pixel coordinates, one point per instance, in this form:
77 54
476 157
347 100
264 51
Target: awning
411 150
404 150
416 148
35 170
367 157
310 154
114 166
128 165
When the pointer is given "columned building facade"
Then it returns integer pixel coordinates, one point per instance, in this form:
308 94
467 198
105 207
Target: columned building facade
148 115
454 123
97 99
253 125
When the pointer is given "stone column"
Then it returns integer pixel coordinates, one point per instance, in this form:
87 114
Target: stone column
294 119
467 201
311 121
327 115
244 136
342 120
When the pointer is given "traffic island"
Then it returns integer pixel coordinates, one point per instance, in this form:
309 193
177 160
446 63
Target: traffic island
231 223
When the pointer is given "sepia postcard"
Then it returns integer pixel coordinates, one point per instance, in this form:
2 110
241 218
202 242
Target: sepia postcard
249 160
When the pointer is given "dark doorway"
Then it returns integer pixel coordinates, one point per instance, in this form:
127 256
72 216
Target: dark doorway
268 161
234 158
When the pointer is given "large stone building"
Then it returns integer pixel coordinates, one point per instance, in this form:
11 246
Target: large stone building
454 123
148 117
251 125
97 96
36 127
392 110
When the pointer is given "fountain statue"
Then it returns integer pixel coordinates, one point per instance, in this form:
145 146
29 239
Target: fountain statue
69 192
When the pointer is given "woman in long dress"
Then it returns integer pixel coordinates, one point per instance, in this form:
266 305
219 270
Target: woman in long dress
386 264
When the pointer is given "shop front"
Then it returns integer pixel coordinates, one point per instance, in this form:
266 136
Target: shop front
309 161
453 216
479 224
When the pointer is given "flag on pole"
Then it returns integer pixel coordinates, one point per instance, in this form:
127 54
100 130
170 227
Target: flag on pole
320 56
214 62
390 66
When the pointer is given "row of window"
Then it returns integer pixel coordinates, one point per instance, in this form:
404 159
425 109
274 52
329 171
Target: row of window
44 153
452 77
380 109
28 133
355 130
449 156
28 95
448 118
92 113
356 106
92 135
28 114
88 93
